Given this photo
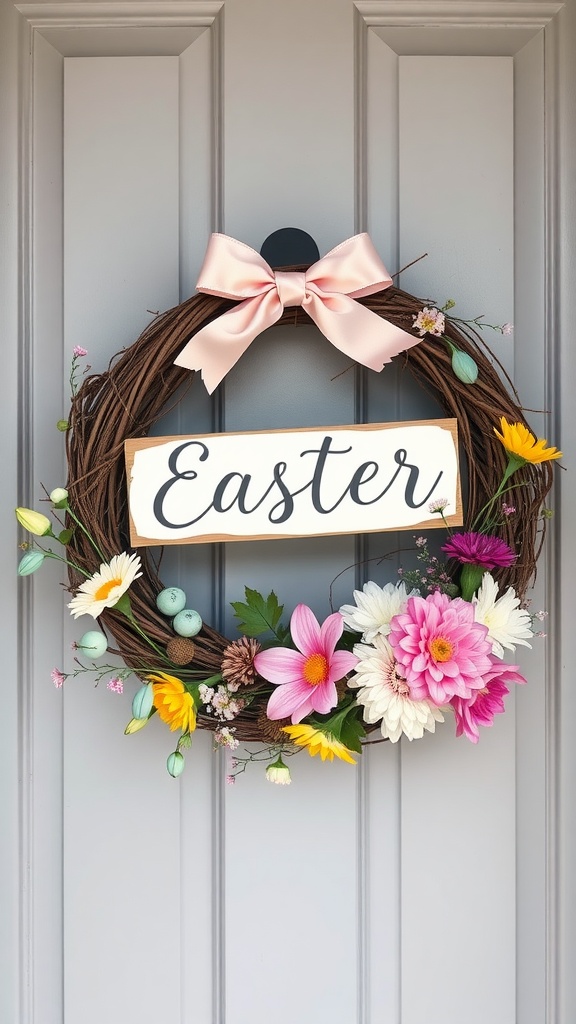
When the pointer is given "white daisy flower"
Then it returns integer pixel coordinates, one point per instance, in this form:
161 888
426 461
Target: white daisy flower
385 694
375 607
508 624
105 588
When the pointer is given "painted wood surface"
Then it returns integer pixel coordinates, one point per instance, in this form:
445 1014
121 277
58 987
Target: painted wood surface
421 887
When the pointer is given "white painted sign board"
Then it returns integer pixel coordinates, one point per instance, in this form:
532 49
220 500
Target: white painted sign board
266 485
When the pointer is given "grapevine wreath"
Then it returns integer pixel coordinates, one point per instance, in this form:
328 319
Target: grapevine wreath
362 682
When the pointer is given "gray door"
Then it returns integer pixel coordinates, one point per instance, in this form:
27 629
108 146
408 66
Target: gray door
421 886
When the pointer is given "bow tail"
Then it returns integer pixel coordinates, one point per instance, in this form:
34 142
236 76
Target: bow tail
358 332
217 347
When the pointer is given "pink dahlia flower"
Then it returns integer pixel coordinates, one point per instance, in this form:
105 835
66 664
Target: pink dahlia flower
485 703
479 549
306 678
443 652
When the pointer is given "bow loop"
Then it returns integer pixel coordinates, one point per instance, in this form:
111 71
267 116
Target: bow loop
327 291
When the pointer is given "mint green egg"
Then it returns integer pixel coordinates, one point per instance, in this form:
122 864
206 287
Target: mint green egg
143 701
93 644
187 622
170 601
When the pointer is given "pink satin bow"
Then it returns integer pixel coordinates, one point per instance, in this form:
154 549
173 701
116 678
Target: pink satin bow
326 291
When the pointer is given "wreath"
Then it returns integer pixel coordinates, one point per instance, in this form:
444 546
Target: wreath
398 657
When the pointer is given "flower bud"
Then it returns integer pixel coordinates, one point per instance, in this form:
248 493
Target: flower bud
30 562
34 522
143 701
93 644
59 497
175 764
279 773
62 426
134 725
464 367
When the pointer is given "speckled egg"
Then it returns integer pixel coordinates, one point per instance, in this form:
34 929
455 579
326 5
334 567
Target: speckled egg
170 601
187 622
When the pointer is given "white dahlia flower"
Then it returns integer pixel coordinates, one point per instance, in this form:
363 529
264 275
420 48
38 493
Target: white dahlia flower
507 623
375 607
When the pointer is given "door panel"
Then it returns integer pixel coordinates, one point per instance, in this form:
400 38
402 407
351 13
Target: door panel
414 886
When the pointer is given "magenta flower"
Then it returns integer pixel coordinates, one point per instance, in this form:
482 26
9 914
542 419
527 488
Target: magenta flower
479 549
306 678
485 703
443 651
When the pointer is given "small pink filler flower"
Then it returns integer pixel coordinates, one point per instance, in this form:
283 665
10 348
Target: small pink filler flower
78 351
57 677
429 321
306 678
443 651
487 702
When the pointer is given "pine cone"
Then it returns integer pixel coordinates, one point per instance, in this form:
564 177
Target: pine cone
180 650
271 732
238 662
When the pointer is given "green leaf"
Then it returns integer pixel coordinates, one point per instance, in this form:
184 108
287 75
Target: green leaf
344 723
123 605
352 732
65 536
259 615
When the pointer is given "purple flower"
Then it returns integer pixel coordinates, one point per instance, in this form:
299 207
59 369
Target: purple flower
479 549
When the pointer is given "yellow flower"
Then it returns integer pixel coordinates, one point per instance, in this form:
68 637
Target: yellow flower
318 742
34 522
518 441
173 702
105 588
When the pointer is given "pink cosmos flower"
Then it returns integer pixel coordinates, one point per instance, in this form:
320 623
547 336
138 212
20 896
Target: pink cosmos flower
306 678
479 549
443 651
485 703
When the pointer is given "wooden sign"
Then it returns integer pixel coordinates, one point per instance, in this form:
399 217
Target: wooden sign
265 485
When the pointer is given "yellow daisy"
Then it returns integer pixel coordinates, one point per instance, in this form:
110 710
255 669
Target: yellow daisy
173 702
105 588
518 441
318 742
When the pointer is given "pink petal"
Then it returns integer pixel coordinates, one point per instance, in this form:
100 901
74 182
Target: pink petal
305 630
341 663
280 665
324 697
330 633
302 712
288 700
